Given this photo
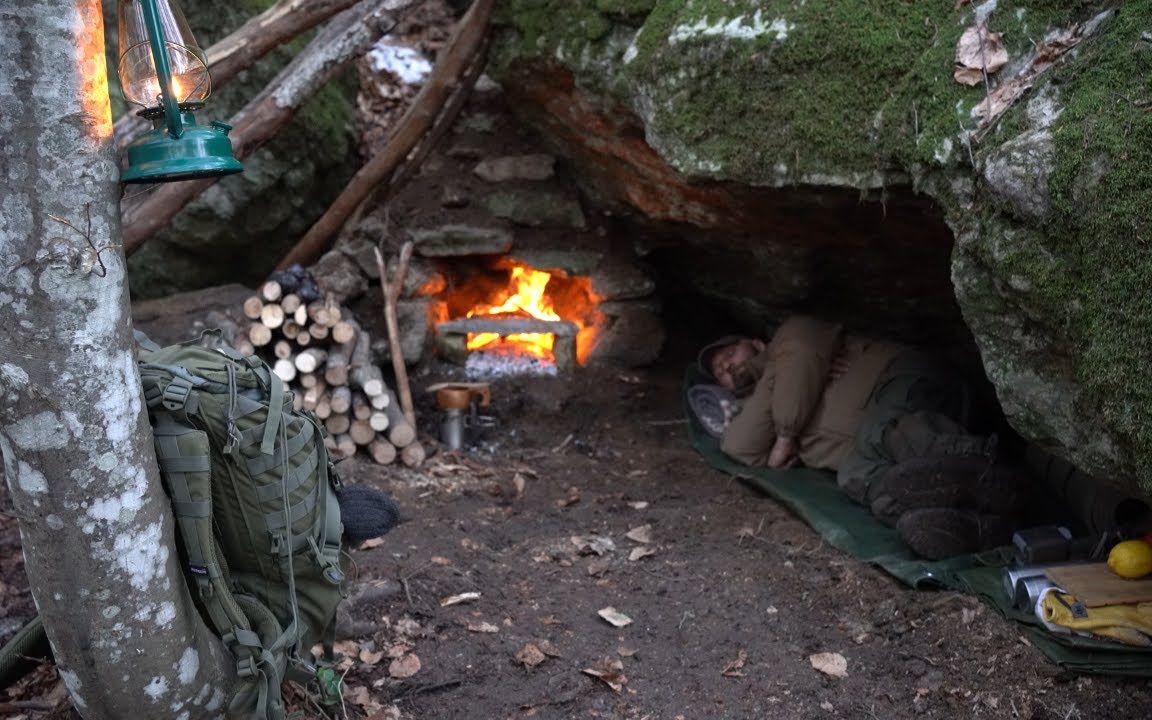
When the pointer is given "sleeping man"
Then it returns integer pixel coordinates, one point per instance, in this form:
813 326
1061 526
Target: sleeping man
885 417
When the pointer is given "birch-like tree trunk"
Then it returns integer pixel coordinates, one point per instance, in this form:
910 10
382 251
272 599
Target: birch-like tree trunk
78 458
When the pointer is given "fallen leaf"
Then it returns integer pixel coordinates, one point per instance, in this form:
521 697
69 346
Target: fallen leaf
732 669
637 473
571 498
520 483
346 647
593 545
826 706
398 650
642 534
745 532
404 667
832 664
391 712
640 553
548 648
610 671
530 655
551 620
441 561
615 617
483 627
599 567
626 652
639 505
372 543
359 695
461 598
978 52
371 657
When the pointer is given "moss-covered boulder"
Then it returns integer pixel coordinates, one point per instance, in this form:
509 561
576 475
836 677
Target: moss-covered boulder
1049 203
251 219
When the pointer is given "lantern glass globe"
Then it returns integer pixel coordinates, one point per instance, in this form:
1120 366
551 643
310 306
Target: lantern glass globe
191 83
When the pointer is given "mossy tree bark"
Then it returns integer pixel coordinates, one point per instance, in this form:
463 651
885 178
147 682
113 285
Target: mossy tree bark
95 523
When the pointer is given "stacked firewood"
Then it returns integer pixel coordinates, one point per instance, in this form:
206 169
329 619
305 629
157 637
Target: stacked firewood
316 347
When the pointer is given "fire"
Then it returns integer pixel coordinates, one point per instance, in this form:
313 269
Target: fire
526 297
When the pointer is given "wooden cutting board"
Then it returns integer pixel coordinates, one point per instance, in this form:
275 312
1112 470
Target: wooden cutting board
1095 585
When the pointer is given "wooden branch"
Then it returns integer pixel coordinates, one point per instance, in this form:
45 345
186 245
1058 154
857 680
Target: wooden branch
345 38
250 42
391 288
458 55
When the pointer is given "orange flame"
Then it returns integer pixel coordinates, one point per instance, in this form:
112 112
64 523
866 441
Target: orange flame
528 298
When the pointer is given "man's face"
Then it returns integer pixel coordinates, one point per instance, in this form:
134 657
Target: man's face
730 366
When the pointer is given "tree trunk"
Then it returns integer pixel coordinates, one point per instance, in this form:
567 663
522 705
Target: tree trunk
344 38
95 523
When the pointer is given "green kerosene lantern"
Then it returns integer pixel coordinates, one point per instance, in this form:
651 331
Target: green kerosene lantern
163 70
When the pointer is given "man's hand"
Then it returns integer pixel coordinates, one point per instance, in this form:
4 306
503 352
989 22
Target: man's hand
783 453
840 365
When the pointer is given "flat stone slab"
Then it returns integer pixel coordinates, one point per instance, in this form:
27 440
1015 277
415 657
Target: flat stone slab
461 240
505 325
516 167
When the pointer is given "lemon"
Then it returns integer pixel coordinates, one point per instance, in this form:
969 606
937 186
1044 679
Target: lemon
1131 559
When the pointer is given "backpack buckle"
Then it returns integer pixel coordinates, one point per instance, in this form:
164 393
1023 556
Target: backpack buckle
176 394
246 668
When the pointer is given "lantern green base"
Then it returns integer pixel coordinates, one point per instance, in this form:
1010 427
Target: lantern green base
201 151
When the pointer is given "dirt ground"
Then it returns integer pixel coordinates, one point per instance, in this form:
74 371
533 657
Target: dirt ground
546 522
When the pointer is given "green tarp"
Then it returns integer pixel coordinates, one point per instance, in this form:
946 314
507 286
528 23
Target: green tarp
815 498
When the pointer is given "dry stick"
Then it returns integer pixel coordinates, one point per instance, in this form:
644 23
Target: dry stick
271 291
458 54
345 38
391 291
252 307
413 455
251 41
341 399
382 451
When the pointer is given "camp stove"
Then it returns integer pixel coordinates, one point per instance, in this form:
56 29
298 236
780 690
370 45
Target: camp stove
461 422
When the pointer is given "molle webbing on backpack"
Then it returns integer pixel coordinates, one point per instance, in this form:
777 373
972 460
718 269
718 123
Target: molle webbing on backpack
253 493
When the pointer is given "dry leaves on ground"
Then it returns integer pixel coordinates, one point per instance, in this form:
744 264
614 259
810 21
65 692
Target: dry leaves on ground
370 657
404 667
832 664
979 52
733 669
482 627
641 553
615 617
461 598
642 534
571 498
371 543
530 655
610 671
593 544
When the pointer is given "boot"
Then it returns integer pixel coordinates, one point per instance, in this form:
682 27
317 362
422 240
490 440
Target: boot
940 533
974 482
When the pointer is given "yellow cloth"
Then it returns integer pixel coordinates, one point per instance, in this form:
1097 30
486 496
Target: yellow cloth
1129 624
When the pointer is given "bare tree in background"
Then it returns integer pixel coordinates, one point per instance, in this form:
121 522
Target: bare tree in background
95 523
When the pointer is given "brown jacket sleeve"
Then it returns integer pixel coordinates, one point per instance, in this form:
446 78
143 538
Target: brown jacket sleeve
802 351
749 437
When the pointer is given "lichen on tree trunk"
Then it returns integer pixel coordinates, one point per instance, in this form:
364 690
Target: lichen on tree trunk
95 524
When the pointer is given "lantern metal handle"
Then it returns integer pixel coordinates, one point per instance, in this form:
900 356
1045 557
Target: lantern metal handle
163 68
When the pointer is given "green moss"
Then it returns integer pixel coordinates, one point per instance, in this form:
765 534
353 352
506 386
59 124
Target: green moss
1102 194
626 9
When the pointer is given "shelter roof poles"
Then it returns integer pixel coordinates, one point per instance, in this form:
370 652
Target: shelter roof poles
163 70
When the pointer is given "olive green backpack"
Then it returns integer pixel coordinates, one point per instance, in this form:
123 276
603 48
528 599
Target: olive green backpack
253 492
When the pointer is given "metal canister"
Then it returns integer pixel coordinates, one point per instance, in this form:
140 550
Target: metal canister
452 428
1016 574
1028 591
